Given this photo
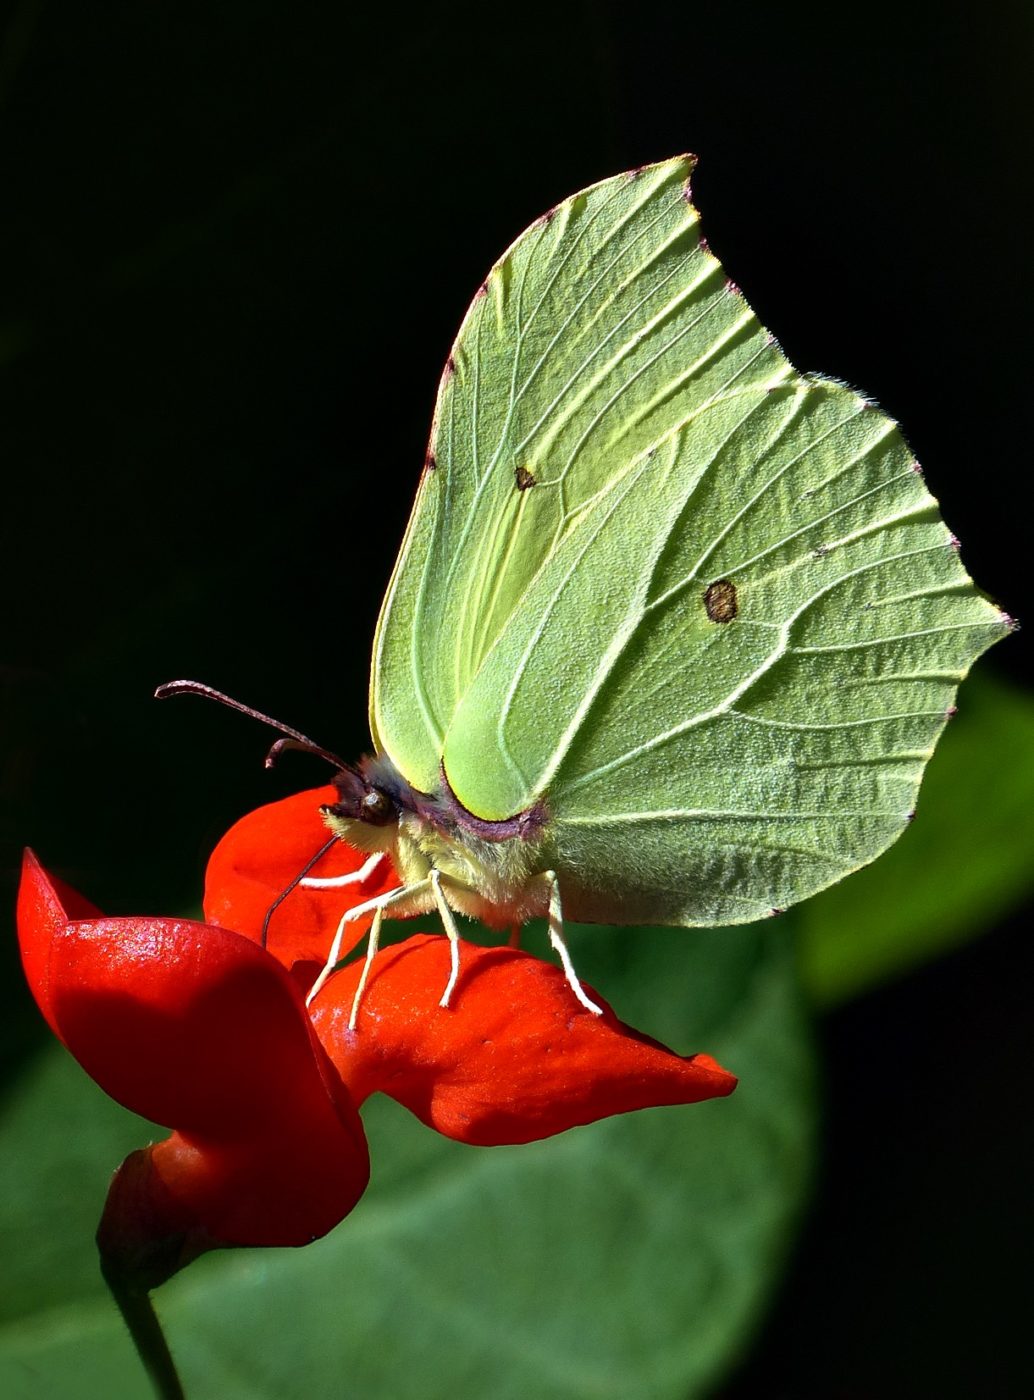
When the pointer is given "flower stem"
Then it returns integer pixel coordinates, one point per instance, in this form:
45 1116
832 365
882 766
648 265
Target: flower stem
146 1331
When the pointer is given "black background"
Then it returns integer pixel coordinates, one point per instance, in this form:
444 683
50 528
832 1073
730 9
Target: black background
236 241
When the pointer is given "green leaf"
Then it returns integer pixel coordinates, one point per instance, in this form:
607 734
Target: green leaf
966 859
627 1258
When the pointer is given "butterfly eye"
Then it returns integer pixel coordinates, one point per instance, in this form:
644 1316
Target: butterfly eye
376 807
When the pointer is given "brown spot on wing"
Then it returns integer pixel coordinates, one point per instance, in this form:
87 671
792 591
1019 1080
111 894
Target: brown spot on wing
524 478
720 601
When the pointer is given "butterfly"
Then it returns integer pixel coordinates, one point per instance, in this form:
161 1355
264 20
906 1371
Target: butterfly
674 627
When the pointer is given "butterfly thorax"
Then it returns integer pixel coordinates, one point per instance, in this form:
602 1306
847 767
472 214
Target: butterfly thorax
491 866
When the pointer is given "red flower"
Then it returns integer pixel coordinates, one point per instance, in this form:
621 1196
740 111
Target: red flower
199 1029
196 1026
513 1059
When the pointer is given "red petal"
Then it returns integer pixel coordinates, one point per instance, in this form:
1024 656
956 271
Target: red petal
259 857
192 1026
173 1200
276 1189
513 1059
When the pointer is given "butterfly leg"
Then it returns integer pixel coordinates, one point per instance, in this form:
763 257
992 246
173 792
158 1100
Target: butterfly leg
371 906
452 933
354 877
556 937
372 944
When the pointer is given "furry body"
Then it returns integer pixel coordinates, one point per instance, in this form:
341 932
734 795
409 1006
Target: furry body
496 878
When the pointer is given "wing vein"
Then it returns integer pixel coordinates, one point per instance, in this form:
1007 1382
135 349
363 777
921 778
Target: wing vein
885 641
808 728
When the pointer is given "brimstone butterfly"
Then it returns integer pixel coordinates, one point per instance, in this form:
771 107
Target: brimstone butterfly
674 627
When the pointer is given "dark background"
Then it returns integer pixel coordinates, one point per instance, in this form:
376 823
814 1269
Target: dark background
236 242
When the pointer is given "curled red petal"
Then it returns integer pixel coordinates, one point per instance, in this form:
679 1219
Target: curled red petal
512 1059
259 857
200 1029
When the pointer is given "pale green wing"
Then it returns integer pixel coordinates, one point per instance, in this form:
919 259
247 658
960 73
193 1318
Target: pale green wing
702 606
592 337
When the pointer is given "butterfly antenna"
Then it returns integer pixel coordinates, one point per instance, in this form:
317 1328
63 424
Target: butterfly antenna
293 885
293 738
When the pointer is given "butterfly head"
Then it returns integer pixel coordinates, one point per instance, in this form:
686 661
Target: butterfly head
370 801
